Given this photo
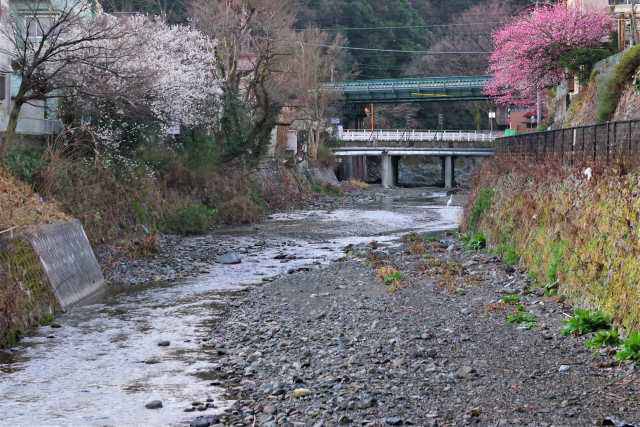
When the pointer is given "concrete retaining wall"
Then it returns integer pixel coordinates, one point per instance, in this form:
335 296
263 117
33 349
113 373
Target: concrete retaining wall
68 261
43 269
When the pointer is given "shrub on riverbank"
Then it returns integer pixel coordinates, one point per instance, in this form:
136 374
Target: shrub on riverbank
577 235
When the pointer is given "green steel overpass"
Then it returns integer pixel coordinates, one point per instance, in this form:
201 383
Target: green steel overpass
418 89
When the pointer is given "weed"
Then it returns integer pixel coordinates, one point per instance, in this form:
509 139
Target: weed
357 184
391 276
326 189
190 220
475 242
602 339
24 163
551 289
510 299
520 316
46 319
482 204
630 348
585 321
508 254
622 74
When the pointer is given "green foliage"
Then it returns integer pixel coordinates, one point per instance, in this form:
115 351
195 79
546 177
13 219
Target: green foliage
475 242
199 152
522 317
508 253
393 278
326 189
630 348
190 220
25 163
510 299
585 321
240 136
410 34
602 339
581 61
480 207
325 156
556 260
622 74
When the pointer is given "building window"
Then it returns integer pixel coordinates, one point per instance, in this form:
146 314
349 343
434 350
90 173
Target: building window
37 26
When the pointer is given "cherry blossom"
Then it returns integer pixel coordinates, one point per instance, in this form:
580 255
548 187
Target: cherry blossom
527 50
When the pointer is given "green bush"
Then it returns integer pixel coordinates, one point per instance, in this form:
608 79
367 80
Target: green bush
510 299
475 242
508 254
522 317
622 74
392 278
24 163
482 204
586 321
630 348
604 339
190 220
581 61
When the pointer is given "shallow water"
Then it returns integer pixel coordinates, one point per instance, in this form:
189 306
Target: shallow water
104 364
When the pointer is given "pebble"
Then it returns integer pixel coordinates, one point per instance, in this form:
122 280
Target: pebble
164 343
154 404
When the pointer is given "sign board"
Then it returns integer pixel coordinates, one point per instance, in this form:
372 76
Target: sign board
492 114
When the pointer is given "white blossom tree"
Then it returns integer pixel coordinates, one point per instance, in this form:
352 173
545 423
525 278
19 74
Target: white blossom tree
168 79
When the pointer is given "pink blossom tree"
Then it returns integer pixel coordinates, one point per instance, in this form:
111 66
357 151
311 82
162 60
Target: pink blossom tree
527 51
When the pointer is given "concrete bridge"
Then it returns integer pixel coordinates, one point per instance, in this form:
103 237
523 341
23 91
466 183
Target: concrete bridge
356 145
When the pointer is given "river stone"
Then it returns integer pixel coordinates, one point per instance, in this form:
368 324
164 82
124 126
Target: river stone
229 259
301 392
164 343
393 421
154 404
205 421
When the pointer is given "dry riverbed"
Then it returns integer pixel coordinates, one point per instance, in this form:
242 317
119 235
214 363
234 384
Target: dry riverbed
336 346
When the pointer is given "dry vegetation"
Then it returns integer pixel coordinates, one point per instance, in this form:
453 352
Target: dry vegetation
21 206
575 236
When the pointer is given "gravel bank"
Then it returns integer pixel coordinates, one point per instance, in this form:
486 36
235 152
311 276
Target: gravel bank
334 346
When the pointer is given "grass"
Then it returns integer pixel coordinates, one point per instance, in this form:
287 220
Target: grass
603 339
622 74
510 299
474 242
630 349
481 205
520 316
586 321
191 220
326 190
508 254
390 276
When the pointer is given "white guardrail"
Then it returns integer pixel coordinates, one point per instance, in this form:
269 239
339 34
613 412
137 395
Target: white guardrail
412 135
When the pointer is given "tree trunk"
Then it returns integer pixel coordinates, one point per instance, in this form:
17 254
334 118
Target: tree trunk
312 153
10 133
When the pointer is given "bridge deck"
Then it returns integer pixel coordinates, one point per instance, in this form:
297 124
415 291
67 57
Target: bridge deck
414 151
422 89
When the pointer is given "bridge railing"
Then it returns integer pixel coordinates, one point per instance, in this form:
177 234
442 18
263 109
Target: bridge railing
601 143
414 135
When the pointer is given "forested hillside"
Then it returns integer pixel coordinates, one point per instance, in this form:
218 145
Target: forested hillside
427 39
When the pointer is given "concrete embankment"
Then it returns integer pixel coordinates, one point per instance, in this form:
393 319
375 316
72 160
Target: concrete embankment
43 269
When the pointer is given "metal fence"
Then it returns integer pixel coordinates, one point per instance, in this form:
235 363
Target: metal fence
601 143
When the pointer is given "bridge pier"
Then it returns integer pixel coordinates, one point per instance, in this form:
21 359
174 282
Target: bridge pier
448 171
389 171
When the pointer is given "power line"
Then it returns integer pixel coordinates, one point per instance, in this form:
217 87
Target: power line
410 52
403 27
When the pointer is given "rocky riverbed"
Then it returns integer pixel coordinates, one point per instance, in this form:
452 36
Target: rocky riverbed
289 323
336 346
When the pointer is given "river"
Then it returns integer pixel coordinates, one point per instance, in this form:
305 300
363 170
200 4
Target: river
103 363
